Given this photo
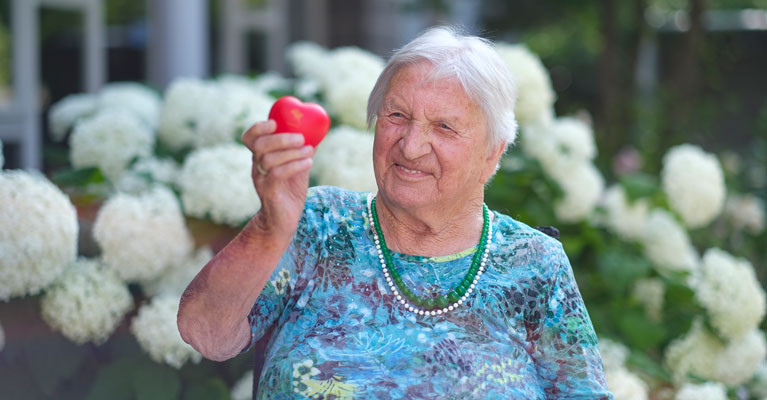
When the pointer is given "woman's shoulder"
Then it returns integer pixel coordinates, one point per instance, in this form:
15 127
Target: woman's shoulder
523 242
332 197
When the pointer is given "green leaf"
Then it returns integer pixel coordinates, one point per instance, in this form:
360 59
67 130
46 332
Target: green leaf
640 332
115 381
209 389
639 185
78 177
621 269
155 381
649 366
47 375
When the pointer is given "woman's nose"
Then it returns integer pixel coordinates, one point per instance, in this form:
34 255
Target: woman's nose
415 141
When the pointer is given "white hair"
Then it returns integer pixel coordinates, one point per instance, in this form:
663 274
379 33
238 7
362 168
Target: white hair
470 59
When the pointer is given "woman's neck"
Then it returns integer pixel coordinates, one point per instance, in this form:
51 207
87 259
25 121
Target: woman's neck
433 231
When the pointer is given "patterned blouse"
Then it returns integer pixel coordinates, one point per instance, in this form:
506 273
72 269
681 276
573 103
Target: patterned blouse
523 333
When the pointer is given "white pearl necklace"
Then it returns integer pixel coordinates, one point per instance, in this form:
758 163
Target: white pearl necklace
402 299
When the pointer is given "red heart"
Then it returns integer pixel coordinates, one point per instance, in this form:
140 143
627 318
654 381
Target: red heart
294 116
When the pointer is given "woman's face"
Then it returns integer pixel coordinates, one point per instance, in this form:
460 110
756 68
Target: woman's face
431 143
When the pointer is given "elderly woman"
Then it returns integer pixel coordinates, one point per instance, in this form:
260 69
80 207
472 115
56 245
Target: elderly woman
417 291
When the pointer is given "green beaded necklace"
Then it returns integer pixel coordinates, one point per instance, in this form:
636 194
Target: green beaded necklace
441 304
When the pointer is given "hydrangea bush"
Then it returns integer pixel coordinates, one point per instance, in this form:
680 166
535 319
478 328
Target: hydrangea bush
677 306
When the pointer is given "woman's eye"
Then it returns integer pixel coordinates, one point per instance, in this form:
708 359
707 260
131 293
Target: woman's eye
445 127
397 115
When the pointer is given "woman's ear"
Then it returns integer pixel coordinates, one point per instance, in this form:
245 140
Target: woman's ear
491 164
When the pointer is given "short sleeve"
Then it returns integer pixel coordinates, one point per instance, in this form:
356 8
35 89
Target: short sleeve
567 353
292 273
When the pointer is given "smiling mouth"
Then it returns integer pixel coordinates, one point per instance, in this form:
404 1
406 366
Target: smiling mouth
409 171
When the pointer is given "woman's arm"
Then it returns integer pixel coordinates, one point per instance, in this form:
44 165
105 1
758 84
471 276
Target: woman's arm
567 354
212 316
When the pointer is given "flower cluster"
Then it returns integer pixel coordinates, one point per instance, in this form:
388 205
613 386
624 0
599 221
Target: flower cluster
140 100
38 233
135 99
535 96
649 292
345 76
86 303
199 113
746 213
704 391
345 159
67 111
565 147
156 332
142 235
146 172
243 388
110 140
623 383
702 354
666 243
621 217
730 291
215 182
694 183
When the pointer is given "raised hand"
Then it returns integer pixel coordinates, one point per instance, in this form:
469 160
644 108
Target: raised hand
281 164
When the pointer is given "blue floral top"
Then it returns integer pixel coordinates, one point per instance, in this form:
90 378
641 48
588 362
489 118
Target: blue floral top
523 333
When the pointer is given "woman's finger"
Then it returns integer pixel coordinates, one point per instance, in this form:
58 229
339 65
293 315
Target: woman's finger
266 144
276 158
258 129
286 171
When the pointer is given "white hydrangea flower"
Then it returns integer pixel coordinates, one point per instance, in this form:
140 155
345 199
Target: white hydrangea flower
348 81
649 292
625 219
614 354
67 111
703 391
87 303
746 212
625 385
729 290
243 388
231 109
110 140
199 113
216 182
694 184
147 172
538 142
345 159
142 101
348 100
38 233
702 354
666 243
185 100
307 59
574 138
142 235
175 280
583 185
270 81
535 99
156 331
758 384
